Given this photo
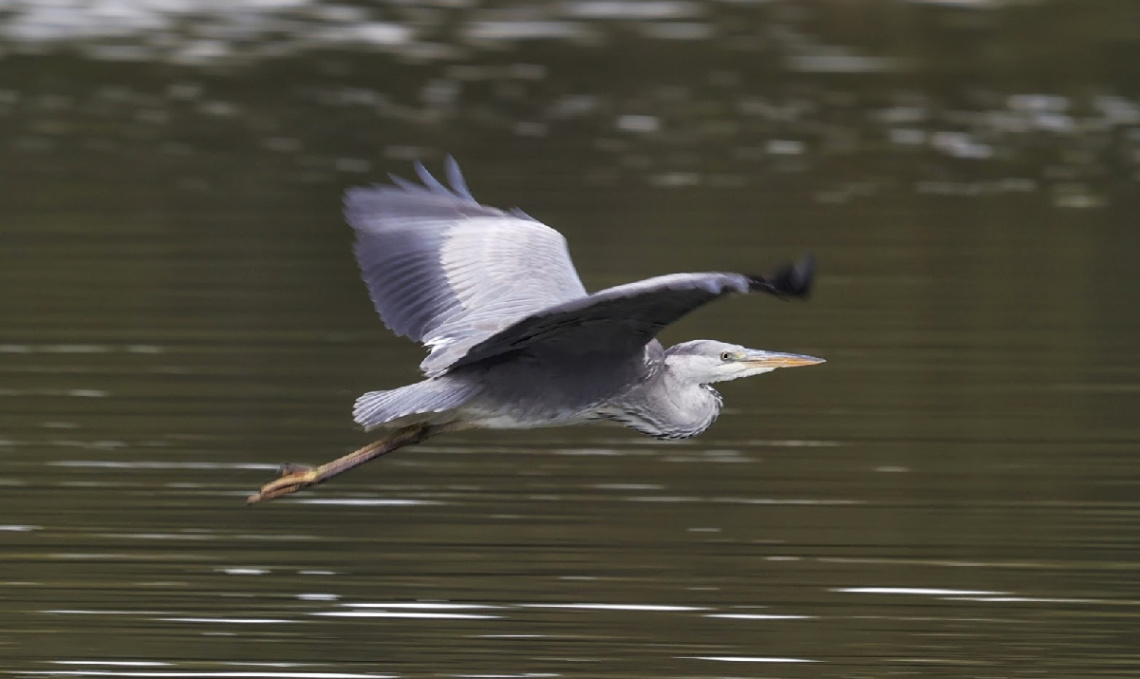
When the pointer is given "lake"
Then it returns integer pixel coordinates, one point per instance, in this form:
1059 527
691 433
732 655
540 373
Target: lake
955 493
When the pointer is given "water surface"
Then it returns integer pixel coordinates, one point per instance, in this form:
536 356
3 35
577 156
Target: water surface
953 494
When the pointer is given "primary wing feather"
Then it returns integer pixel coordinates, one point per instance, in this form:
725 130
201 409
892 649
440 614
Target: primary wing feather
448 272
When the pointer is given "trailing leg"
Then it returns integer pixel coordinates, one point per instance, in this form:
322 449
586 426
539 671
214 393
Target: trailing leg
299 477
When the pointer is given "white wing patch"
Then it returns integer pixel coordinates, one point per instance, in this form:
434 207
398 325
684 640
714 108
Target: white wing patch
449 272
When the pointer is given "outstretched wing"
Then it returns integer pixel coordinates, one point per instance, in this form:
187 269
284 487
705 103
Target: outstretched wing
448 272
625 318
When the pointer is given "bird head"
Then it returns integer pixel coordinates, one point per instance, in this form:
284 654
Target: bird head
708 361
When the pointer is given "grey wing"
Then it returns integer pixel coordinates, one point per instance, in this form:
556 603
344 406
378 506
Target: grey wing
448 272
625 318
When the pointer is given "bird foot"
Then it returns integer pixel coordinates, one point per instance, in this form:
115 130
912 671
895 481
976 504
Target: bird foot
293 477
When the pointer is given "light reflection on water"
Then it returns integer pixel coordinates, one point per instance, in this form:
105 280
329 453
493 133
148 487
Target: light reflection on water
253 674
663 593
747 659
1075 144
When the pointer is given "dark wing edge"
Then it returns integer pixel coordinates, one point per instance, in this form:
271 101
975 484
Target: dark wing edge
794 280
623 319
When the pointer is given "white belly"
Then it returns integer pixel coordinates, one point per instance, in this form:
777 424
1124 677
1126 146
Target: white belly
486 420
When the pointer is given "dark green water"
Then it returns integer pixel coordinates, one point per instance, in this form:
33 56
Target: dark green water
956 493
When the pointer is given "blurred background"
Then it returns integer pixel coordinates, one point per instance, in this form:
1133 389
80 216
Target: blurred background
956 493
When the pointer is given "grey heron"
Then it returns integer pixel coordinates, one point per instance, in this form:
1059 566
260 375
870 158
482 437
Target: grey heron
514 339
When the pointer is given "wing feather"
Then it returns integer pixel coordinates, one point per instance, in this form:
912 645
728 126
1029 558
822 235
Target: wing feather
473 282
623 319
446 271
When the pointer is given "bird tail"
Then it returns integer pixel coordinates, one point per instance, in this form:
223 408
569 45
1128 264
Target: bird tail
426 399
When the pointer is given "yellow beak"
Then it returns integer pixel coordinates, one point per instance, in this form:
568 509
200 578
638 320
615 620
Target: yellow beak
775 359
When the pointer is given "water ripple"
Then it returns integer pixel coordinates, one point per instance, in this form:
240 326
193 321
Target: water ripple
918 591
618 607
180 674
366 502
745 659
405 614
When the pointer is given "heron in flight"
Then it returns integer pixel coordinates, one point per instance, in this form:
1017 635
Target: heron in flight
514 340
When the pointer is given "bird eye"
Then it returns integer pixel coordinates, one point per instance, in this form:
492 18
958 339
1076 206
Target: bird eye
726 356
